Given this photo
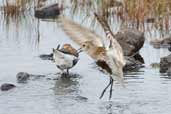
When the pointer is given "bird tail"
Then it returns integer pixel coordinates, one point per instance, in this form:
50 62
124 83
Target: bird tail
111 37
118 76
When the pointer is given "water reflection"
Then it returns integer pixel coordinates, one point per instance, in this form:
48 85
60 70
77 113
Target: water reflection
21 30
67 84
166 75
113 107
20 27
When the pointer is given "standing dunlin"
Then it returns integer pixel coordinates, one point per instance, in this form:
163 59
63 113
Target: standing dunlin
66 57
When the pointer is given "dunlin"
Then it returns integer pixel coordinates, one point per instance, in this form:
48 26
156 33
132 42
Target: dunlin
66 57
109 58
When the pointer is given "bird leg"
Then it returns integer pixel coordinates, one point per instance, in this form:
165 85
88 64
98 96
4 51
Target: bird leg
111 86
105 88
67 71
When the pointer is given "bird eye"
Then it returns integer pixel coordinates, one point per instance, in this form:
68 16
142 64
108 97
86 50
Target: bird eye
83 45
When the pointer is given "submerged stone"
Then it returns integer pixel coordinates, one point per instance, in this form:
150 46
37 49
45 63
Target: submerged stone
81 98
7 86
46 56
22 77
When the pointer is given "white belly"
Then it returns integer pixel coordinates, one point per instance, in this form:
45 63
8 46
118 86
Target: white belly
64 61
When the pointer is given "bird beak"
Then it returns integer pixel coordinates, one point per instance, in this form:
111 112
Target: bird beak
79 50
58 47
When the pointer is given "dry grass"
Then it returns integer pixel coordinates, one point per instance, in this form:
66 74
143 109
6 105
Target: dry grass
140 14
11 10
15 8
136 13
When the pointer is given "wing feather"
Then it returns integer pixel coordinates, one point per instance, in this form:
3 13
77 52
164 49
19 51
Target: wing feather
80 34
116 49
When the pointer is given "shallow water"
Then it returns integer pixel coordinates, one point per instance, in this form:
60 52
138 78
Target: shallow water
147 91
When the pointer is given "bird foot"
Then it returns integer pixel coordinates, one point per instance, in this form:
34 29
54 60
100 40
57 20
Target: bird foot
65 75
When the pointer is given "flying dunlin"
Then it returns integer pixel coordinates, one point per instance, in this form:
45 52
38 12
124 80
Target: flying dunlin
110 60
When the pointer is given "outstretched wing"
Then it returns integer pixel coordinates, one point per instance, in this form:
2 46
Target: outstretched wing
127 48
78 33
116 49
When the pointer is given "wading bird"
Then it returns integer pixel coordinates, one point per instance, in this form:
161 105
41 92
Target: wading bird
66 57
109 58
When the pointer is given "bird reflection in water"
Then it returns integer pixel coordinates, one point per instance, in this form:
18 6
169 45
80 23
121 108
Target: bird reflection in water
67 84
112 107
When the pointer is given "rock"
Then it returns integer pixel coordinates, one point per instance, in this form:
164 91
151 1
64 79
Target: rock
165 64
81 98
132 64
22 77
139 58
162 43
130 40
7 86
51 11
46 56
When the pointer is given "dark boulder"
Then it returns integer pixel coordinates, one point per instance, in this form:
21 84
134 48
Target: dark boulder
51 11
22 77
165 64
130 40
7 86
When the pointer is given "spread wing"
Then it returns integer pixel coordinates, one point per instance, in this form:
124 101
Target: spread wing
78 33
127 49
116 50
